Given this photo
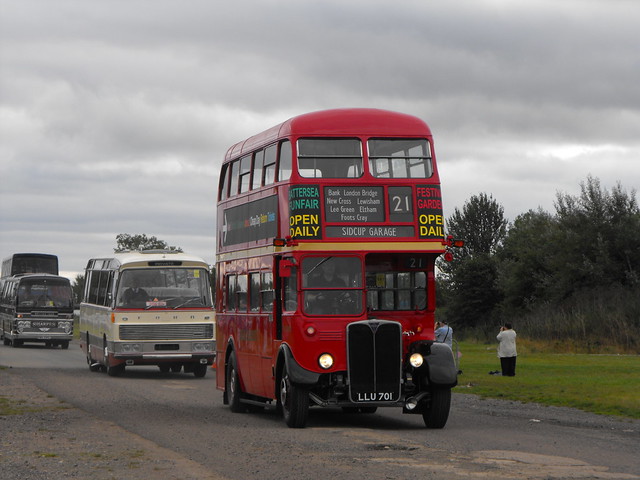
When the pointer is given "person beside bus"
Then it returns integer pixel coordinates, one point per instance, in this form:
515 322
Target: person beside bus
444 333
507 350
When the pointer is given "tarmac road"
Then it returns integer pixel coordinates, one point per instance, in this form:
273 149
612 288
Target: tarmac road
180 428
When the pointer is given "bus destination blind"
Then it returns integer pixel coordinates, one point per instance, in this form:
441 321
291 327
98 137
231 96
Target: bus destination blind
361 212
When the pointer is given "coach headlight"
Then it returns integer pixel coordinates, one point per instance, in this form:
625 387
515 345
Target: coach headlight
325 361
22 324
66 326
416 360
131 348
202 347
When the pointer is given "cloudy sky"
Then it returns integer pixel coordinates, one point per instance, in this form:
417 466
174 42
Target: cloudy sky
115 114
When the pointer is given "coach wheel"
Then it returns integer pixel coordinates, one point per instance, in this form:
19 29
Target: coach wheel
112 371
200 370
16 343
234 391
93 366
294 401
436 415
64 345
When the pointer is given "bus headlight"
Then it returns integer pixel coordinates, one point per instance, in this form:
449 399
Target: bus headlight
202 347
325 361
416 360
131 348
22 324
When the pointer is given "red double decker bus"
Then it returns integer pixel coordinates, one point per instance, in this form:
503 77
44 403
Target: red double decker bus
329 226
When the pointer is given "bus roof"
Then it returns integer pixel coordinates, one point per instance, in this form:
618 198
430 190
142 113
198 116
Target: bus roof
142 259
342 121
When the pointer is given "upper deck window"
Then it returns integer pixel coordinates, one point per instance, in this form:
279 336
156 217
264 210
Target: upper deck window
330 158
400 158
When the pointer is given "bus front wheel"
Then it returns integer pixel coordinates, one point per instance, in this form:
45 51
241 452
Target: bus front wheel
293 401
436 415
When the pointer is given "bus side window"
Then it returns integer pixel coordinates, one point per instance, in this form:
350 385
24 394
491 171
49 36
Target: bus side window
231 293
266 292
254 292
258 161
233 178
241 292
290 293
284 167
270 164
223 183
245 173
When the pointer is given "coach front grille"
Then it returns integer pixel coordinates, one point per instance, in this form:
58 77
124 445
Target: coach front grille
374 355
180 331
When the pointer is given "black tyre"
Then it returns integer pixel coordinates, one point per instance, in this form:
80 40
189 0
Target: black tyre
200 370
233 388
93 366
112 370
293 401
64 345
437 414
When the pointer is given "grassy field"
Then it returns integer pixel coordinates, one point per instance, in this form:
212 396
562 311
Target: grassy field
603 384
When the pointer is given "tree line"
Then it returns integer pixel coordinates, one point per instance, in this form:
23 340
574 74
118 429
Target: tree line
571 277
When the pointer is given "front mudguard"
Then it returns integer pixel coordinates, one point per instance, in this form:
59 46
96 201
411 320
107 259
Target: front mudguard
297 374
439 367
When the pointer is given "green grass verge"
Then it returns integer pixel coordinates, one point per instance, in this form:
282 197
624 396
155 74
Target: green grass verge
602 384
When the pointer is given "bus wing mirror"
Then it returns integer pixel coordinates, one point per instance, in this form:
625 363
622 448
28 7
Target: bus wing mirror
285 268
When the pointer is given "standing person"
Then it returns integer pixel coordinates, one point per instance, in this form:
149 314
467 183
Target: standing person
444 333
507 350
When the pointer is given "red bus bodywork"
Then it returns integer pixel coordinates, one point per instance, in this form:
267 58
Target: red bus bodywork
356 190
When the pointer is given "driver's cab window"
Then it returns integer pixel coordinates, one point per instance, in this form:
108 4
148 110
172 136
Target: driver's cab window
332 285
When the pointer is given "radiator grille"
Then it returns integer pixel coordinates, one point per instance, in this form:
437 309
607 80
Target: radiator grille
375 360
180 331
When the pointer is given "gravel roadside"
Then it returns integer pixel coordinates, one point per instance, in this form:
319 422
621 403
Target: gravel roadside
44 438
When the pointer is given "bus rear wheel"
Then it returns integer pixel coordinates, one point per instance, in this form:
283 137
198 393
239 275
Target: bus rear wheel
436 415
293 401
232 387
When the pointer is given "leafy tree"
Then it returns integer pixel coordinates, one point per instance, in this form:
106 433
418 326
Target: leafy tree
78 288
474 292
599 238
469 283
526 259
139 242
481 224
